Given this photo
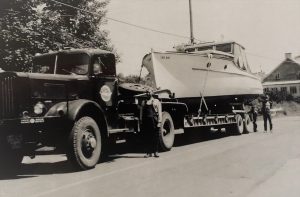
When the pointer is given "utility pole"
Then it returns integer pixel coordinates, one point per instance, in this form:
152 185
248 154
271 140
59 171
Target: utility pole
191 23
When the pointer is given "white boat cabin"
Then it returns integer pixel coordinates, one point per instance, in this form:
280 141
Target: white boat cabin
231 50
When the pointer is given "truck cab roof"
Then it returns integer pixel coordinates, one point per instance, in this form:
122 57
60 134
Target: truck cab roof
86 61
89 51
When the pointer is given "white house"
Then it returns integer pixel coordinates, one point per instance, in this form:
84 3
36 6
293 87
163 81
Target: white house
285 78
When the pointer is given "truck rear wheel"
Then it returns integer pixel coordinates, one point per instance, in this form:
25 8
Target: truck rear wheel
247 122
166 132
84 145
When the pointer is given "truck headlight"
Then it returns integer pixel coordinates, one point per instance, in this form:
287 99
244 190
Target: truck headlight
39 108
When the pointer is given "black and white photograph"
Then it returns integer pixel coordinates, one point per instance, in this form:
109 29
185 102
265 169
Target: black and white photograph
149 98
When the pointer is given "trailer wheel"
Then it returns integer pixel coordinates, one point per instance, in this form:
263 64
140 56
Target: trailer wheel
239 125
166 132
84 145
247 122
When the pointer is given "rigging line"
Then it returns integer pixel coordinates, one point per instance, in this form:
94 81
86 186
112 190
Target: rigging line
204 85
123 22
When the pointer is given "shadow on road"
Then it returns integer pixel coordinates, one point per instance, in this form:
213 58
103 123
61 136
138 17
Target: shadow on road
117 151
28 170
193 136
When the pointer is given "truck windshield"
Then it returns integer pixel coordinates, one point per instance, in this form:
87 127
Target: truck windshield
44 64
67 64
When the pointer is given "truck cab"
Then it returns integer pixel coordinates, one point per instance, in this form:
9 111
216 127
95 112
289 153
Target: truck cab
64 89
92 65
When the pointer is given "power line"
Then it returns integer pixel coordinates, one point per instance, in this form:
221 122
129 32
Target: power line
147 28
123 22
261 56
270 58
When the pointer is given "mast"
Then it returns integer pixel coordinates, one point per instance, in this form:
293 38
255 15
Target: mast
191 23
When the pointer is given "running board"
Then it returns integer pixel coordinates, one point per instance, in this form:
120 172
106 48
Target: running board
113 131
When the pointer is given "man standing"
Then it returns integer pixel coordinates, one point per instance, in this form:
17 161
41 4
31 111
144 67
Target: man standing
254 113
266 112
151 118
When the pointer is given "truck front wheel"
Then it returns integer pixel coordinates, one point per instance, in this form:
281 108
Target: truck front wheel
84 143
166 132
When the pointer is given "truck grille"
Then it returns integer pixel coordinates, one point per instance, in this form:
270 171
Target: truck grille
6 97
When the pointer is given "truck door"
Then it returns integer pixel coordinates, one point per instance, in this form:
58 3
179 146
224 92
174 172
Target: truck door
104 74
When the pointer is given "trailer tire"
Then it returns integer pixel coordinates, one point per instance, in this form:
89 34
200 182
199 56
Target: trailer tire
84 143
247 123
166 132
239 125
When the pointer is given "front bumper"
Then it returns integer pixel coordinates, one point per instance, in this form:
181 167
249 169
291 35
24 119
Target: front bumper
21 131
30 123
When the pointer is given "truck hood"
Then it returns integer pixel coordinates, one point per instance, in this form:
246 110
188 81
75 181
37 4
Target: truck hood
51 77
49 86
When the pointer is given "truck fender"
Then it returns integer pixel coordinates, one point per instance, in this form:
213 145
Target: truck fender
177 111
73 110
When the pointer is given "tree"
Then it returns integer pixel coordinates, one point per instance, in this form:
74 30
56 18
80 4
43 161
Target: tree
39 26
131 79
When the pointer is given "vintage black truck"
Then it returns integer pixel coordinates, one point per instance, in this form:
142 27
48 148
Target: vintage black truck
72 99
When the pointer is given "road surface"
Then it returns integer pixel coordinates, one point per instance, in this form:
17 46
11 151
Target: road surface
250 165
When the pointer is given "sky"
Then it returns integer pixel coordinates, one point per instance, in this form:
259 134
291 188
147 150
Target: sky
266 28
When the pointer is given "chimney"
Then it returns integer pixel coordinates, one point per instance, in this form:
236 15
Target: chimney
288 55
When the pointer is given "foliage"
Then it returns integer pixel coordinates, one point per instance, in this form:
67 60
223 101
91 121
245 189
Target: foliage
131 79
289 97
39 26
279 96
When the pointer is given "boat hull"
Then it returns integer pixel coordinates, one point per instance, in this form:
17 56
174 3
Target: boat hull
190 76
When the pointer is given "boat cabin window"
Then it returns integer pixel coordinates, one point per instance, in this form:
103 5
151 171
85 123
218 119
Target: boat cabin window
205 48
240 58
227 48
190 50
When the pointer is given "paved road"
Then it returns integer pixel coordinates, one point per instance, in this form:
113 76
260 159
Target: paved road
253 165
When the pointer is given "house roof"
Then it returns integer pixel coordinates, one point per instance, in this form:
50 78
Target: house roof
280 82
286 60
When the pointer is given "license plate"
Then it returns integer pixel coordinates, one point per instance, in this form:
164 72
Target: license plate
15 141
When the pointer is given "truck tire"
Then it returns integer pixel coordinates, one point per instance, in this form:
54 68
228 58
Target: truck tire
84 143
166 132
247 123
239 125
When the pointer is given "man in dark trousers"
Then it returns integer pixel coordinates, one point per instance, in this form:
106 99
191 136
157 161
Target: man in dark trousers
266 112
151 116
254 112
